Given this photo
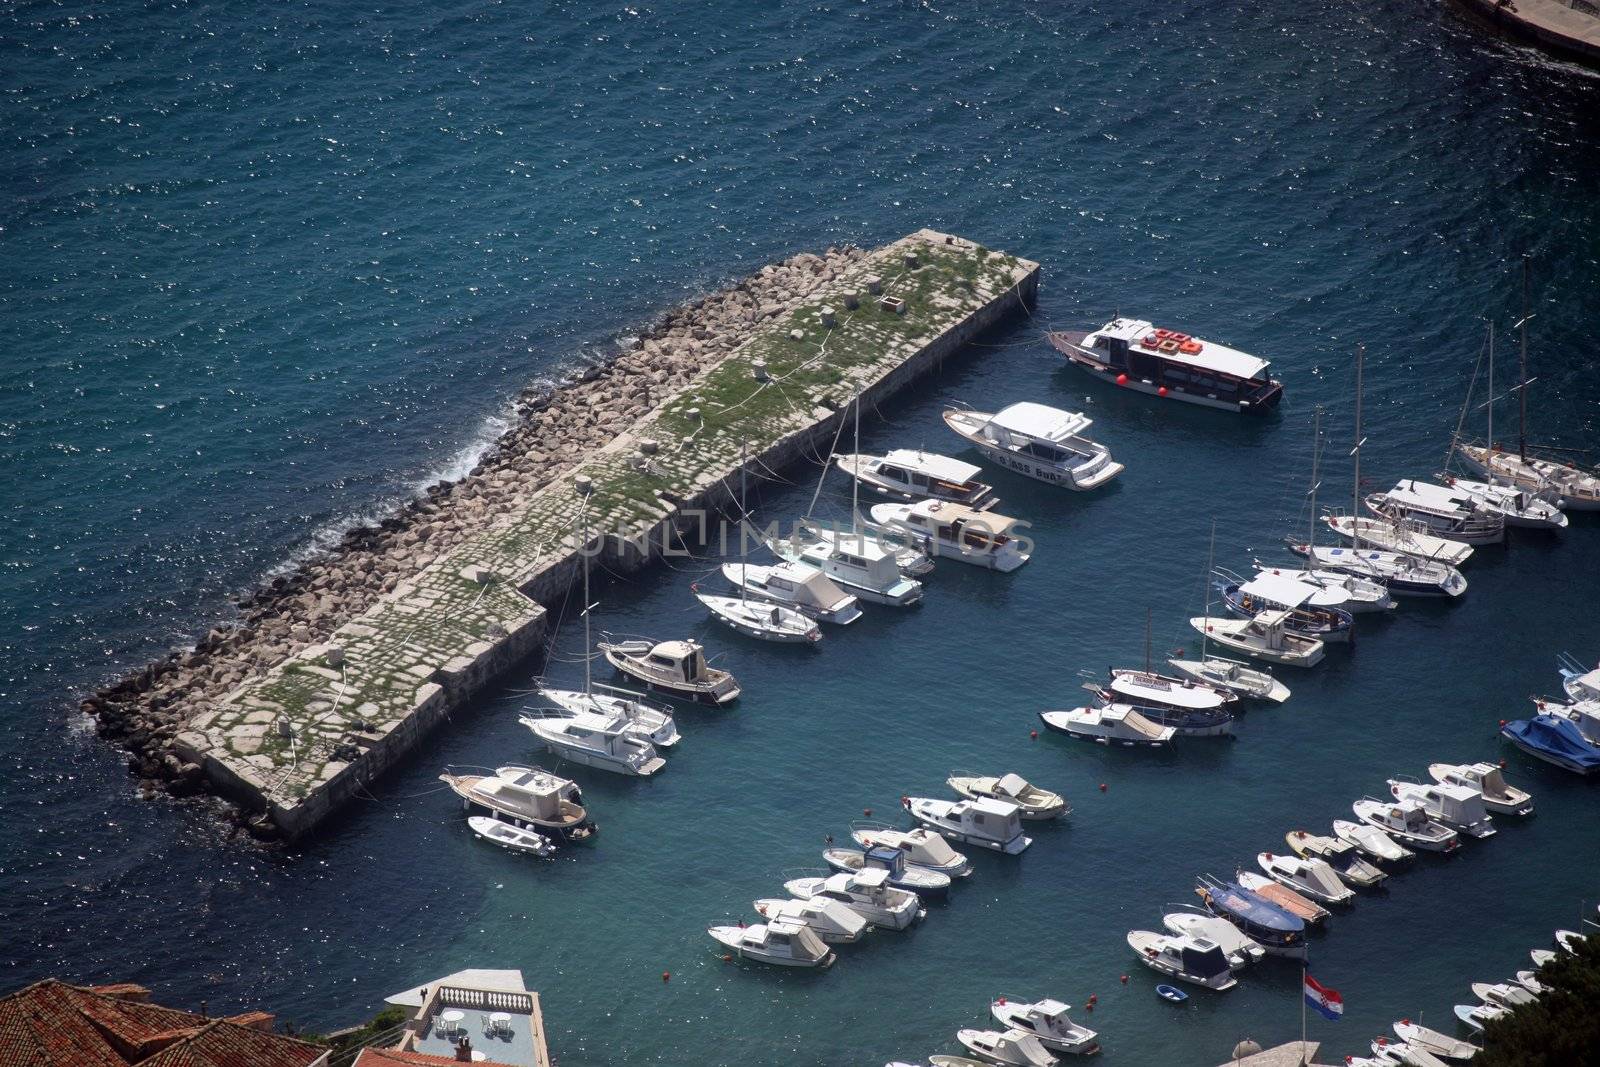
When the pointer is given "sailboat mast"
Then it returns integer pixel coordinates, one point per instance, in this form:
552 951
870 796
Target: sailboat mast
1355 491
588 645
744 563
855 483
1211 562
1488 444
1522 390
1316 457
1147 639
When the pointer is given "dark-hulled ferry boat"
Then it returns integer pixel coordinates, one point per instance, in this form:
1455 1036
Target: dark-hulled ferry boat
1136 355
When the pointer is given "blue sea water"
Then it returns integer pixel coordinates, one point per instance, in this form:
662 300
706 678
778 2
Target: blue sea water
268 269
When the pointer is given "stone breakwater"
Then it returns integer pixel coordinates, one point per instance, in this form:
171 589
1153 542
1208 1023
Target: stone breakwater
552 431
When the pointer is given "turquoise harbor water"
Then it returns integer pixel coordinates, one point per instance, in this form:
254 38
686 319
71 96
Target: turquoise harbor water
268 269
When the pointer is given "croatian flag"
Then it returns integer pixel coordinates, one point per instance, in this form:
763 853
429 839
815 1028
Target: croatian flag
1328 1003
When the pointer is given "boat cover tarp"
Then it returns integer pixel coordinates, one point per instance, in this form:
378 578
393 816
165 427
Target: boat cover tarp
1557 736
1258 911
1205 962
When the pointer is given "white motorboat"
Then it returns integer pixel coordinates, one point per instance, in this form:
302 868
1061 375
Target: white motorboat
1241 949
1010 1048
1407 821
1047 1022
795 585
1440 510
912 474
676 668
652 722
954 531
1137 355
1118 725
529 797
1476 1015
1403 1054
1569 940
516 838
1488 782
866 892
1400 573
780 943
1407 537
1530 981
954 1061
1031 801
1349 592
1277 893
1371 840
1266 636
1458 807
902 875
1312 877
832 922
991 824
1188 959
921 846
1418 1036
603 742
1342 856
1541 956
763 621
855 561
1580 682
1516 507
1502 994
1144 688
1043 443
1234 676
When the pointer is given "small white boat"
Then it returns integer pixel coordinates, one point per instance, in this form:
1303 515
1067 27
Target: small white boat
1031 801
1241 949
1010 1048
1516 507
1403 1054
1371 840
1476 1015
1047 1022
832 922
1441 510
1041 442
867 893
1312 877
1188 959
530 797
516 838
1580 682
1117 725
603 742
1354 594
1458 807
1266 636
1570 939
1407 538
795 585
1275 892
902 875
677 668
1418 1036
855 561
764 622
1407 821
1402 574
921 846
954 1061
1541 956
652 722
991 824
1343 857
912 474
780 943
1488 782
1143 688
1234 676
1530 981
953 531
1502 994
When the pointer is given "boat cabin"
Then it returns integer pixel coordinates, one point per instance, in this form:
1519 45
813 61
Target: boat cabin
1140 355
679 659
782 938
1203 958
993 820
536 797
891 861
960 526
807 587
915 474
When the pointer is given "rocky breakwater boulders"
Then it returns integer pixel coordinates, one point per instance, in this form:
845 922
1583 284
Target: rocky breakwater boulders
554 429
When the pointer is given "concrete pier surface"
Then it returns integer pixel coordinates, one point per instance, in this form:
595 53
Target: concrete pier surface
1567 28
297 740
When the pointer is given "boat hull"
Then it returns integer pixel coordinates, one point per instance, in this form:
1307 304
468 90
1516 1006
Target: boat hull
1099 738
1069 345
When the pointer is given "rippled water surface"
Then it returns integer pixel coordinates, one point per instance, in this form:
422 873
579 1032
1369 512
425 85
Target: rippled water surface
269 268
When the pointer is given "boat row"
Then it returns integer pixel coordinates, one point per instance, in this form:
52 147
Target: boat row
1031 1033
1564 733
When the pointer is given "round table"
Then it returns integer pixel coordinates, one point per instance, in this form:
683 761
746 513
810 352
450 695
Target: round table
452 1019
500 1020
479 1057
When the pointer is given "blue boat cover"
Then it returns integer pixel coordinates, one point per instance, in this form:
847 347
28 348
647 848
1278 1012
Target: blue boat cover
1556 737
1204 962
1253 909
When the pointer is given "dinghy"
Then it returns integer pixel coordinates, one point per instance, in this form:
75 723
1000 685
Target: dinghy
529 797
991 824
1311 877
676 668
1529 981
1443 1045
1031 801
1040 442
1407 821
1281 895
1569 940
1277 930
1455 806
1488 782
1556 740
856 562
762 621
603 742
1009 1048
1047 1022
779 943
832 922
902 875
1266 636
797 586
515 838
1343 857
912 474
921 847
1240 949
1188 959
1114 724
866 892
954 531
1541 956
1371 840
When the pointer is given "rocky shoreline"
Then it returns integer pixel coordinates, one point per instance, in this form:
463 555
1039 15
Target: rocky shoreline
552 430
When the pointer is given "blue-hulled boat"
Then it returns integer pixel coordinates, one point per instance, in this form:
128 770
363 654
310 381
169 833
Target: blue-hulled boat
1172 993
1556 740
1275 929
1267 592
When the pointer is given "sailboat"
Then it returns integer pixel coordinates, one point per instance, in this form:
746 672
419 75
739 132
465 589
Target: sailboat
763 621
1190 707
1221 672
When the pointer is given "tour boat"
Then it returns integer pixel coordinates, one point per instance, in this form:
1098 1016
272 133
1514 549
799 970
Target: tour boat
1408 821
1580 682
1445 512
1323 621
1139 356
1488 782
1114 724
1146 688
1459 807
1556 740
1009 1048
676 668
1516 507
1288 899
902 875
856 562
1266 636
1502 994
762 621
1342 856
1476 1015
1348 592
866 892
921 846
1405 536
603 742
1230 674
798 586
653 722
1371 840
1047 1022
1312 877
1401 573
515 838
1043 443
912 474
783 944
1031 801
1276 929
991 824
1419 1036
527 797
955 531
1188 959
832 922
1240 949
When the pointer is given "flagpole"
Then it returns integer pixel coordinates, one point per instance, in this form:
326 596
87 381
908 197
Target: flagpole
1303 1059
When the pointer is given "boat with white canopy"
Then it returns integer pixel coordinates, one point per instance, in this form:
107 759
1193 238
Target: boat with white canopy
1188 959
795 585
991 824
676 668
1031 801
604 742
1047 1022
1145 688
1116 725
1313 877
1580 682
782 944
1008 1048
954 531
1371 840
1313 611
527 797
832 922
1347 592
651 721
1240 949
1184 722
1041 442
1407 821
1441 510
1137 355
912 474
866 892
1488 782
1265 636
902 875
1277 930
856 561
1342 856
921 846
515 838
1458 807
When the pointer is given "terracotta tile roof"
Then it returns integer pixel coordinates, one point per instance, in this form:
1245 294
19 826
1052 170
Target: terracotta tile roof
225 1044
389 1057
